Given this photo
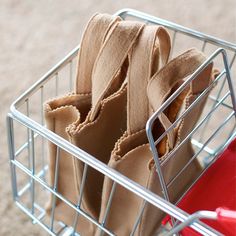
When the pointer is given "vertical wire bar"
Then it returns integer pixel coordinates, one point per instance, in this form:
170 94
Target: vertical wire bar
173 43
42 138
232 132
200 123
232 60
55 188
29 146
224 80
28 133
203 46
216 99
229 138
71 74
138 218
84 176
229 79
32 183
213 105
177 222
202 148
108 206
11 149
157 163
56 84
41 103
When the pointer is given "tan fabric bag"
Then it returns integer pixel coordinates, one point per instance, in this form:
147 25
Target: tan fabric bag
106 121
98 132
62 111
132 156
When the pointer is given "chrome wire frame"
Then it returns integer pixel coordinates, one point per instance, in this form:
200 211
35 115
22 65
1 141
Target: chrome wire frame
36 130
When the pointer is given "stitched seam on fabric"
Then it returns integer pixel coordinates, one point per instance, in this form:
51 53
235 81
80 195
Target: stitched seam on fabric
126 135
73 128
67 96
61 108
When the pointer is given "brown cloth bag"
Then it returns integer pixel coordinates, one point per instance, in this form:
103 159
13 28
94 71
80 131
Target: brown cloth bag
132 155
62 111
106 121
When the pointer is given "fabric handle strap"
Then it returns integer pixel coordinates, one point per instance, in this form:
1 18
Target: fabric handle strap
112 56
175 71
91 43
151 49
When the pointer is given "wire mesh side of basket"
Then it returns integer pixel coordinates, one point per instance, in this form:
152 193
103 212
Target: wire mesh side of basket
28 154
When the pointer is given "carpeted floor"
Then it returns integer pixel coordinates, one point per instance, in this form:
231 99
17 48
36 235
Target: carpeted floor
34 35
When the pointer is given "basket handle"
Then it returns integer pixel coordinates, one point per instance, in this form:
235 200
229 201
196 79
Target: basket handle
226 215
92 40
221 214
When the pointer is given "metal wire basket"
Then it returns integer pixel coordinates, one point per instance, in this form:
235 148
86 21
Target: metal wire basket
28 153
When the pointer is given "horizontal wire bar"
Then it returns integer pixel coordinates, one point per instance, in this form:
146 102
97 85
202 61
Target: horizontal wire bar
69 232
223 104
84 214
200 145
173 26
63 227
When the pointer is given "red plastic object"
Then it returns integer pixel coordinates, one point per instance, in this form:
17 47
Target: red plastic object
225 215
216 187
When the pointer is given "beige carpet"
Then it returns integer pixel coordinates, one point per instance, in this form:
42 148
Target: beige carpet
34 35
